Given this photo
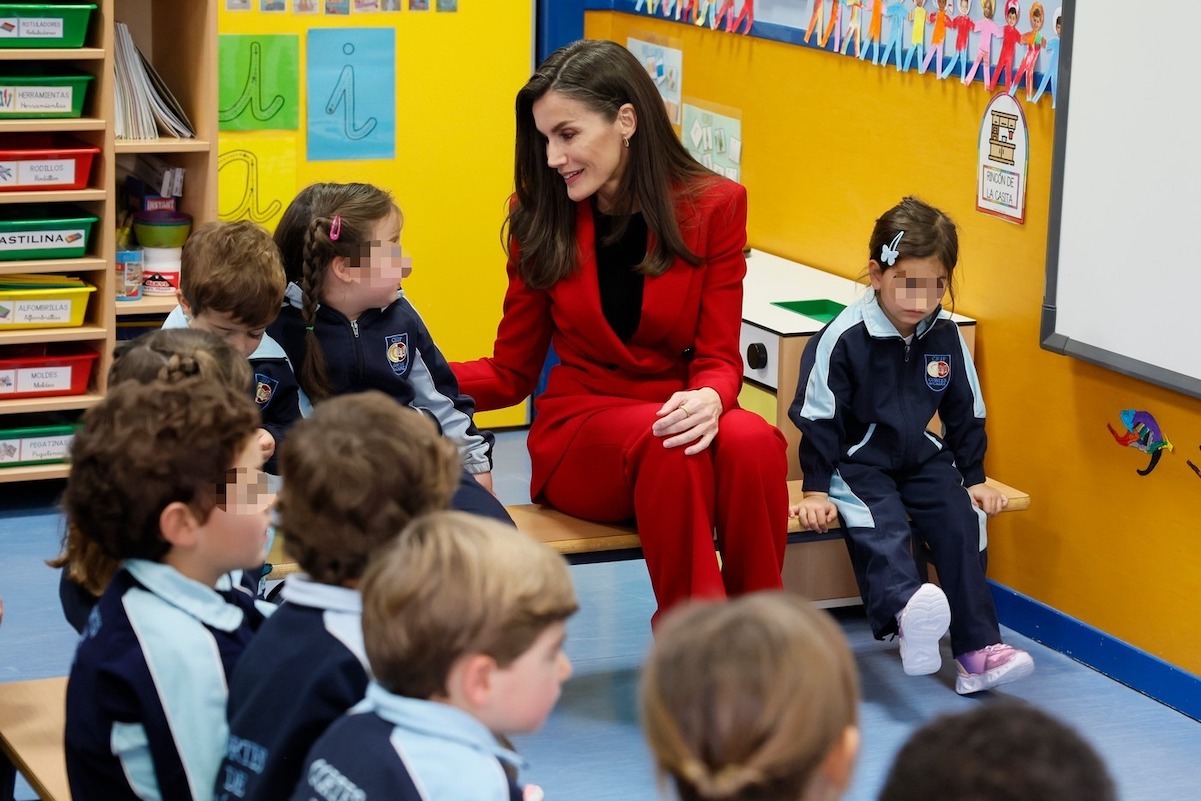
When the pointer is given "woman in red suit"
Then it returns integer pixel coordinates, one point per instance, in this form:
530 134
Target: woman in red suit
626 255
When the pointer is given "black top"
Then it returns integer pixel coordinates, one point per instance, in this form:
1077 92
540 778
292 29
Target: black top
620 283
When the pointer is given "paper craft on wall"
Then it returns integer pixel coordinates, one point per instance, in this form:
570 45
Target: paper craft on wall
1010 36
1051 76
917 36
1034 41
925 34
1003 161
714 139
962 25
337 7
351 94
273 5
258 86
256 177
665 65
938 38
1142 433
305 6
897 17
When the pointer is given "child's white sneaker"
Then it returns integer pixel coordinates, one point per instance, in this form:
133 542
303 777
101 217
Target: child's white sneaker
991 666
921 624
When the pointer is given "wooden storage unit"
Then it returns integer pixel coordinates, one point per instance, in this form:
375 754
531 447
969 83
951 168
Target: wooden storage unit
180 38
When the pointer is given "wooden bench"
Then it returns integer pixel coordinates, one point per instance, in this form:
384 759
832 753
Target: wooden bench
32 721
815 565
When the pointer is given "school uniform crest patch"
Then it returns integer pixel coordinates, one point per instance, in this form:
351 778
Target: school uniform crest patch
938 371
398 352
264 389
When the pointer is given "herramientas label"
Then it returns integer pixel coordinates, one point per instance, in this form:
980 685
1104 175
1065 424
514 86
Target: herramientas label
26 99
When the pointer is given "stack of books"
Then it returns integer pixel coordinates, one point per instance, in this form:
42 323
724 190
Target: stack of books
144 105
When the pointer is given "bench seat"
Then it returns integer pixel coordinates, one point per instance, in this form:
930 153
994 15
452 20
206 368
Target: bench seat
822 572
32 721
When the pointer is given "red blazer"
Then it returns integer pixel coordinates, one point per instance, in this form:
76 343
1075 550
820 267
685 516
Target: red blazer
687 337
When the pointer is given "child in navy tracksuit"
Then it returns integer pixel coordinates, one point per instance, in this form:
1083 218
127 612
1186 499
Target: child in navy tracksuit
348 327
463 622
870 381
168 476
174 355
355 473
231 284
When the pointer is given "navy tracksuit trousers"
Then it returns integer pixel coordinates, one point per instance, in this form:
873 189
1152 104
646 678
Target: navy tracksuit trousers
933 498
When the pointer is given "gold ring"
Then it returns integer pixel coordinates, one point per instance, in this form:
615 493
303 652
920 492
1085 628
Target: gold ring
687 413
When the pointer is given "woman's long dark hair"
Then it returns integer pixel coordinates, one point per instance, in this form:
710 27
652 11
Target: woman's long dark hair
603 76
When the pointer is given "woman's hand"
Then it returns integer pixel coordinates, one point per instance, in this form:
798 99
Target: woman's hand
986 498
689 417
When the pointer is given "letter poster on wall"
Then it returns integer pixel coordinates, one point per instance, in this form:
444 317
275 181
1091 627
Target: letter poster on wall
1004 160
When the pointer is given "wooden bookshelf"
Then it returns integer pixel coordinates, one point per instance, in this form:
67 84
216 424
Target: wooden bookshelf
180 39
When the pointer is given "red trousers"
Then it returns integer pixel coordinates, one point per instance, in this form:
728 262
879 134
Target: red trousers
616 469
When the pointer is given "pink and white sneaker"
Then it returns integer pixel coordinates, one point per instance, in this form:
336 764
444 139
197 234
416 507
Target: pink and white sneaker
990 667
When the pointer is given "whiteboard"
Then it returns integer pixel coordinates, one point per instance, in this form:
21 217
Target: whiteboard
1123 286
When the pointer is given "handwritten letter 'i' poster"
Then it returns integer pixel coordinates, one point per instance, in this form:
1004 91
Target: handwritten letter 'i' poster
351 94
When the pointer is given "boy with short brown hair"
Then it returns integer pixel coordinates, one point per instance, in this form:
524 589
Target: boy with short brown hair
168 477
464 622
355 473
231 283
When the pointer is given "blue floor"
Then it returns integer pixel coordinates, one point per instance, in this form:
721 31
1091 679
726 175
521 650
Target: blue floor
591 747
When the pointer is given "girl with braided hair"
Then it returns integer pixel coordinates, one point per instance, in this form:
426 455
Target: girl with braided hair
754 698
349 327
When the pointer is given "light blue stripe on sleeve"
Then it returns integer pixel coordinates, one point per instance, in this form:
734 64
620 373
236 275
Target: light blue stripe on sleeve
131 747
190 681
973 380
819 399
866 437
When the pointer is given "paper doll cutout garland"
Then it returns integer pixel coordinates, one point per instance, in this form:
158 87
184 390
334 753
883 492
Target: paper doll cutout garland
837 27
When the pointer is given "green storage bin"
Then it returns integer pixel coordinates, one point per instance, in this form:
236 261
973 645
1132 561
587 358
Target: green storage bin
35 445
44 231
822 310
33 90
44 24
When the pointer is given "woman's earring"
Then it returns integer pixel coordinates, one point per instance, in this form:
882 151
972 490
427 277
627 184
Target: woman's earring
627 139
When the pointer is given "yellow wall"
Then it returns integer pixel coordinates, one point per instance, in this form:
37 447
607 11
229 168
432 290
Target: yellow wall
831 142
456 77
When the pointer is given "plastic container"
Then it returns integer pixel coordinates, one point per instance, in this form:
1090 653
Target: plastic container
43 308
44 231
44 161
129 265
36 371
44 24
38 90
162 229
160 271
35 445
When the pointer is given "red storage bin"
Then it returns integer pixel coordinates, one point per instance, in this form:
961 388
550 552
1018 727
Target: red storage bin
44 161
36 371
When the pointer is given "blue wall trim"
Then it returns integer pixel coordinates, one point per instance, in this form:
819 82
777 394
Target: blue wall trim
1103 652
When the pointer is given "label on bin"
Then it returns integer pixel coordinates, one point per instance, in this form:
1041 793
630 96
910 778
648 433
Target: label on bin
41 240
35 311
28 99
31 28
35 449
43 172
35 379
